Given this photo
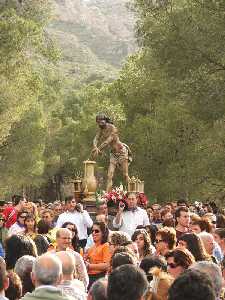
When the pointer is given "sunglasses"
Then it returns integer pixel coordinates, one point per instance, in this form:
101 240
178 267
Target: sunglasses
2 220
172 266
95 231
22 217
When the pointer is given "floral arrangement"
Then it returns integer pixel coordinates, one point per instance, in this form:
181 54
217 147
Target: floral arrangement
142 200
113 198
117 195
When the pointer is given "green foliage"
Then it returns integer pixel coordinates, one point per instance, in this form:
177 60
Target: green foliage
173 96
23 47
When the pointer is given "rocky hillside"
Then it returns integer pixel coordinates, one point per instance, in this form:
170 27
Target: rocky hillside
95 36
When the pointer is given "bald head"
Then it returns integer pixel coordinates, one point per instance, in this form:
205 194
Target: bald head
68 262
47 270
63 231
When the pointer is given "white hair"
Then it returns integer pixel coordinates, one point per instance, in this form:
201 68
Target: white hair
213 271
205 235
47 269
24 265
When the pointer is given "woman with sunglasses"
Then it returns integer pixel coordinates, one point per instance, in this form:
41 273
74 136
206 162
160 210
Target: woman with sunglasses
75 238
98 256
178 261
18 227
165 240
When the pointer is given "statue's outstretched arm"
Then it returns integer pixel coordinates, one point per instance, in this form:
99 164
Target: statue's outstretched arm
109 139
96 140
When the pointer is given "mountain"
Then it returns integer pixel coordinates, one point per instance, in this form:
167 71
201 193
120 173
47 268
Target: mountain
95 36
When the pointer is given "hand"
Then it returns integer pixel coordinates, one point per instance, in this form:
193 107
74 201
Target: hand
121 207
79 207
95 151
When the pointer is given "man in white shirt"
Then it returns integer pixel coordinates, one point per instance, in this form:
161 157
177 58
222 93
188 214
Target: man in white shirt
76 215
128 220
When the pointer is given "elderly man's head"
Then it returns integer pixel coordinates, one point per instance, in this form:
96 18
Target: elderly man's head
24 265
213 271
68 264
23 269
47 270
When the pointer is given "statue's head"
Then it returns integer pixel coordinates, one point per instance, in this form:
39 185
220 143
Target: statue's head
102 120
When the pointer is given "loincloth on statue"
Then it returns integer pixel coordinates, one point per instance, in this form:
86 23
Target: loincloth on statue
117 158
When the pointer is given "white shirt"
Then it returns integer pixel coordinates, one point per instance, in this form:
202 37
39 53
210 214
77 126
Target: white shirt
81 220
16 229
131 219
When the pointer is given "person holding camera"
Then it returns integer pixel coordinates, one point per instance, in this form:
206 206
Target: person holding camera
128 218
78 216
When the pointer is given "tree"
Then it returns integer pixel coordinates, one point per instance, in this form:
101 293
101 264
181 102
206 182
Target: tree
173 97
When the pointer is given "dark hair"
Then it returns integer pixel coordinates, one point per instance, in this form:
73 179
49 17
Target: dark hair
168 235
3 273
16 199
104 230
182 201
194 245
150 262
122 258
127 282
220 221
98 290
182 258
214 207
203 224
30 217
147 241
152 231
192 284
14 291
220 232
75 239
39 201
42 227
179 210
17 246
41 243
102 116
69 199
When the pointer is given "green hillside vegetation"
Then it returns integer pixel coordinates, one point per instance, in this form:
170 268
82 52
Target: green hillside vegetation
95 38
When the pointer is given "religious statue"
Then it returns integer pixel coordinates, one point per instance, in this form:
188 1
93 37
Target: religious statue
120 154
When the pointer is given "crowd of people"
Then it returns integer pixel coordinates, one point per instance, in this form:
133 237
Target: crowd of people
59 251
